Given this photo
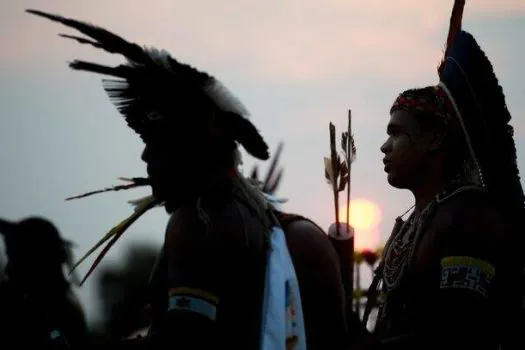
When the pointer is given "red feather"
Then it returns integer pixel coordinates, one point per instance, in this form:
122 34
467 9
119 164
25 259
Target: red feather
456 19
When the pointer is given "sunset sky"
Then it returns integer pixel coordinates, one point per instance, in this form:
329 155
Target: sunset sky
296 65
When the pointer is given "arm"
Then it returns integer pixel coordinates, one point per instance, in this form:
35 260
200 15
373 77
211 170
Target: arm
214 279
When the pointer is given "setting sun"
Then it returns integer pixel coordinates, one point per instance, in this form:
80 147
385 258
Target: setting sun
365 215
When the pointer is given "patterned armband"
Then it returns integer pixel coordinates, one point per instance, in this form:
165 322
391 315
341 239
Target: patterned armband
463 272
193 300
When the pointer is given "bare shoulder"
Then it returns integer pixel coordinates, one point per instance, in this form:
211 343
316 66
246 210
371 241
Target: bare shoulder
307 241
308 231
477 211
474 216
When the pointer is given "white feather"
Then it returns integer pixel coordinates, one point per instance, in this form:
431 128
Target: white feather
160 57
224 99
140 202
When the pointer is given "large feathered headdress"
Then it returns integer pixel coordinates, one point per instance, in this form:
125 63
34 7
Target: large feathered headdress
468 79
155 92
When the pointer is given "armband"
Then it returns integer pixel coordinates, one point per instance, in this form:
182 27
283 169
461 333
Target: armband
463 272
193 300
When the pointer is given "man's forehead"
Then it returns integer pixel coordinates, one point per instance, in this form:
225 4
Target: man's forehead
402 119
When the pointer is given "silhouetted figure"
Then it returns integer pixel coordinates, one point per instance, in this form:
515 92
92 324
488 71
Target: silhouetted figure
212 275
123 292
451 273
38 307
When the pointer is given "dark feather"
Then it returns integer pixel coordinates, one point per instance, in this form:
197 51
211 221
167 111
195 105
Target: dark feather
135 182
276 182
104 39
470 77
344 175
255 173
119 71
456 19
272 180
242 130
353 148
81 40
273 164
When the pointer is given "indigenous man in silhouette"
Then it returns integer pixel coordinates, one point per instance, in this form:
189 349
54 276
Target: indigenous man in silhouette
37 303
220 238
450 276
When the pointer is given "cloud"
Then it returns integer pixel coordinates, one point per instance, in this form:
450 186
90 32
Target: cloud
270 41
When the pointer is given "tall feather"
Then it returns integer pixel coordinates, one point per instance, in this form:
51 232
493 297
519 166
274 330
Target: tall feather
255 173
349 150
456 19
134 182
270 181
276 182
336 173
274 174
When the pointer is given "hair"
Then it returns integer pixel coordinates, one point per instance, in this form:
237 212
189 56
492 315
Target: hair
454 145
428 120
241 188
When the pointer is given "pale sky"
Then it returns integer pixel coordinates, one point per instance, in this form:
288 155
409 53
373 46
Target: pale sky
296 65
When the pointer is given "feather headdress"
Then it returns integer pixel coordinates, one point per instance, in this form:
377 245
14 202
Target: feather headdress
468 79
155 92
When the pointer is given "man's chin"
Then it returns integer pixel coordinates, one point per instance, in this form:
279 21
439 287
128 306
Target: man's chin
395 181
169 193
159 193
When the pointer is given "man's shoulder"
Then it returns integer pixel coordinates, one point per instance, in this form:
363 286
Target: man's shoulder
303 232
292 221
469 203
472 214
230 224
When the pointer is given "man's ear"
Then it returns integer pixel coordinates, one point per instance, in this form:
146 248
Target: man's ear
437 141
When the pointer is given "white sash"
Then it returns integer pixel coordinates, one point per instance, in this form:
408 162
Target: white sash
282 321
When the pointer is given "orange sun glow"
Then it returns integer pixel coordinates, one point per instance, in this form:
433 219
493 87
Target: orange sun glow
365 216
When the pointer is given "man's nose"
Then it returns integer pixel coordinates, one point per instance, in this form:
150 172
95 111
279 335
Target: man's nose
385 147
146 154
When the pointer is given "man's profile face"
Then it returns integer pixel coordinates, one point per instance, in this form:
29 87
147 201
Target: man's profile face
177 155
171 168
405 150
161 169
